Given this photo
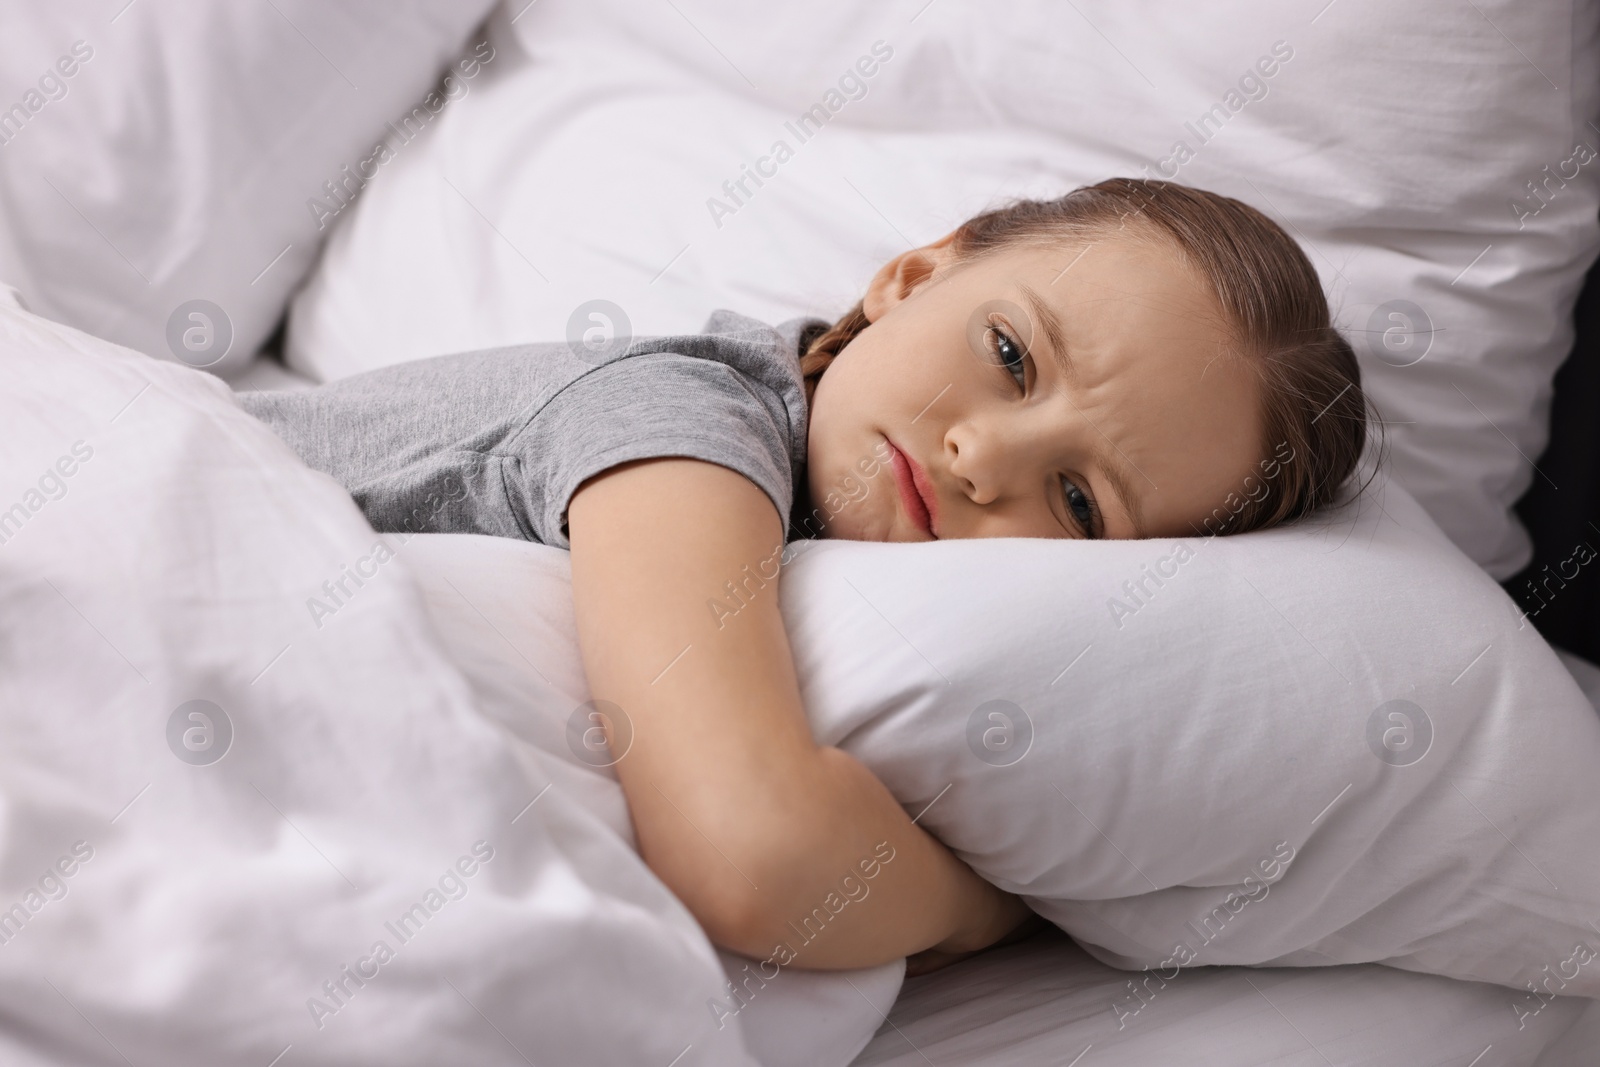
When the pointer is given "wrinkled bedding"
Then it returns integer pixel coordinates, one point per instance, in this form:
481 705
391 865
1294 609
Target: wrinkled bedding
237 831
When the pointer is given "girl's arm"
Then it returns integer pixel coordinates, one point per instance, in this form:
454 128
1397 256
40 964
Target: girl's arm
752 824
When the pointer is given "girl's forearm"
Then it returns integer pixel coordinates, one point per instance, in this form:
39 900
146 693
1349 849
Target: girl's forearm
833 915
735 807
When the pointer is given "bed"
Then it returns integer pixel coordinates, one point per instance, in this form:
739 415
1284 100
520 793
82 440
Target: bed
278 194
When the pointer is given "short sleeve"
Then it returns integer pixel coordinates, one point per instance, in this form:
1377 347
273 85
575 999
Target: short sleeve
647 406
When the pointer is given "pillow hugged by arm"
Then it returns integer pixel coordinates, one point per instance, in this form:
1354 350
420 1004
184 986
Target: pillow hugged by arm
735 807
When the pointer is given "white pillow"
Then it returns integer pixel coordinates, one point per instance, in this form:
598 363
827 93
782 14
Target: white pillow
161 159
1334 742
594 168
218 802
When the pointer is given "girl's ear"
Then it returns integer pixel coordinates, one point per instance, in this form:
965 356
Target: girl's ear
905 274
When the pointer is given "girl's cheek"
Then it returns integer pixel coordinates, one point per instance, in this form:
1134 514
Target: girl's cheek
869 466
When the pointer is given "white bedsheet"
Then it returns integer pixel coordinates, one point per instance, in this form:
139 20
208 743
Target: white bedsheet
1046 1002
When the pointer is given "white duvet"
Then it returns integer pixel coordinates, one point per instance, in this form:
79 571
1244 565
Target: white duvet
238 833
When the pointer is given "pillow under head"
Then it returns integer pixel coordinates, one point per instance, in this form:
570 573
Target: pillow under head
1336 741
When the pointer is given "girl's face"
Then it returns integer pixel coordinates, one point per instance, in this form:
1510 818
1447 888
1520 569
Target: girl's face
1063 390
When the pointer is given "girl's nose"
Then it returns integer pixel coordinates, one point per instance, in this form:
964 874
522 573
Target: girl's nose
982 460
1003 452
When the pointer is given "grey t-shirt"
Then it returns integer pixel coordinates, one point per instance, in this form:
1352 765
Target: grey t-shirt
497 441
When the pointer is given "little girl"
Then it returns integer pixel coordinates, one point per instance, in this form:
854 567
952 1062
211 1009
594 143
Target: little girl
1133 359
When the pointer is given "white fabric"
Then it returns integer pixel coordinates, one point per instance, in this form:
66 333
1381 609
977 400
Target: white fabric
268 373
1044 999
1576 1048
1210 762
177 159
157 547
506 621
1045 1002
1396 143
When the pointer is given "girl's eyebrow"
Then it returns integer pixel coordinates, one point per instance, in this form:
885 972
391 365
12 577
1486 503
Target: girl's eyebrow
1117 476
1045 315
1115 471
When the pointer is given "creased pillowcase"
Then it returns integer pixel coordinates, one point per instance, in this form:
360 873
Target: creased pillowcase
1332 742
168 159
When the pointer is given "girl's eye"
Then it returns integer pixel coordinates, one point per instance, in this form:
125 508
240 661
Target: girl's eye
1013 357
1009 351
1080 507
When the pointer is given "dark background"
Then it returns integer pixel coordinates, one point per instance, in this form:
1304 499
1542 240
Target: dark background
1567 517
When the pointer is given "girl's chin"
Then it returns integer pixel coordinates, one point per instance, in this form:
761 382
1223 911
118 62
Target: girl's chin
885 533
844 527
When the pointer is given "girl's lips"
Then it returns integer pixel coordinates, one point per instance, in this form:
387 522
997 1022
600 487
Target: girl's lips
915 493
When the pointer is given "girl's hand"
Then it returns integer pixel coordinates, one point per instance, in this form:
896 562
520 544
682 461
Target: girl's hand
1008 909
